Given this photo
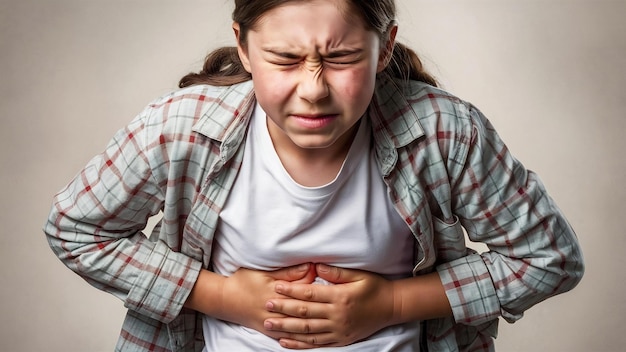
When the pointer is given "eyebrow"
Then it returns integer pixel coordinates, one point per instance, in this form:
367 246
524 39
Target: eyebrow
331 55
283 54
341 53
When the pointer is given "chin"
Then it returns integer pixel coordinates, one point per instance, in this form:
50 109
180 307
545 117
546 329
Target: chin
314 144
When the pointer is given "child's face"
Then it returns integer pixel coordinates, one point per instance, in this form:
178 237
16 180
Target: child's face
313 71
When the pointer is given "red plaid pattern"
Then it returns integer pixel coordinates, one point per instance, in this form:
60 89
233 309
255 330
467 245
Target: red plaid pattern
445 167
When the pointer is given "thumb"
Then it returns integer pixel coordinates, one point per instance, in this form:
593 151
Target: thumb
337 275
302 273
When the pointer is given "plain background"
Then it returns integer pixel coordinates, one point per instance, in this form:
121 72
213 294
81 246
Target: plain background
549 75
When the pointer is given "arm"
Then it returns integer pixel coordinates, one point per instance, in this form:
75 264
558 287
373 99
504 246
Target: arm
95 229
241 297
95 226
533 252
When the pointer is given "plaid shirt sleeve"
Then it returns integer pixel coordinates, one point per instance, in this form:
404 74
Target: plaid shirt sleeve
534 253
95 227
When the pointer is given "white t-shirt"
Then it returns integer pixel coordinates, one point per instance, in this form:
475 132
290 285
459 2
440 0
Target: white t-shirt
271 222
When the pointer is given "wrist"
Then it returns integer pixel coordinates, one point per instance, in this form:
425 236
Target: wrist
398 303
420 298
207 295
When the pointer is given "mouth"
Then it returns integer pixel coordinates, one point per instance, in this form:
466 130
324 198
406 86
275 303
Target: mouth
314 121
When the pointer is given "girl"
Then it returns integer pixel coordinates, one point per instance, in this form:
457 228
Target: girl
314 185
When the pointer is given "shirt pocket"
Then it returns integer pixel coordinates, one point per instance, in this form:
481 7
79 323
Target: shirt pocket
449 240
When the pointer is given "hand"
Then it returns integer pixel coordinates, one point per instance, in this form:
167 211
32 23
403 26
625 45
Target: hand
359 304
241 297
247 291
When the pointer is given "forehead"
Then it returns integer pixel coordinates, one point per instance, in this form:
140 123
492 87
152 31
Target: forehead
315 21
343 7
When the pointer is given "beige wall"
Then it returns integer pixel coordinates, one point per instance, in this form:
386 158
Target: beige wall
549 74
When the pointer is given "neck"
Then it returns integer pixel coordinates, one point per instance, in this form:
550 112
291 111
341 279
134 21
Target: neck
311 167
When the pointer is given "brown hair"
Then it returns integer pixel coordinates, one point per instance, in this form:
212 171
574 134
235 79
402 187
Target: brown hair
222 67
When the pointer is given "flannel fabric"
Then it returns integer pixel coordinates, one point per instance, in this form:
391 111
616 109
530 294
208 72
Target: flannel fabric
445 167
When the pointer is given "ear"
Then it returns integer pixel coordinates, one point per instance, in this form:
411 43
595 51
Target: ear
386 51
241 48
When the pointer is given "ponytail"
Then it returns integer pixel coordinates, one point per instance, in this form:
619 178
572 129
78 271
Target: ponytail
222 67
406 65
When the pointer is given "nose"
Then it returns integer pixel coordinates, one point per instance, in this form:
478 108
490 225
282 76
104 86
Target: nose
312 86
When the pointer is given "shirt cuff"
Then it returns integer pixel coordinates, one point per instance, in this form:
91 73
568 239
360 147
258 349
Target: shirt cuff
164 284
470 290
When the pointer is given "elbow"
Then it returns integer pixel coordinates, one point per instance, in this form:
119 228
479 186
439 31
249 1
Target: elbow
565 258
66 242
574 270
561 273
569 263
61 247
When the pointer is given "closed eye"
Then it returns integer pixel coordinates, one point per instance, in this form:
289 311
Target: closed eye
281 58
286 64
341 62
344 57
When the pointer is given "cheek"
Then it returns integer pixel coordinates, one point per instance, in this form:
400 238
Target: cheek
270 86
356 85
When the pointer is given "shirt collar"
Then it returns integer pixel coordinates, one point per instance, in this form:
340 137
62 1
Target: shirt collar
228 115
392 115
394 122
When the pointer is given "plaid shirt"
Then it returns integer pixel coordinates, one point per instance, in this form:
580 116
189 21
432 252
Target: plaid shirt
445 167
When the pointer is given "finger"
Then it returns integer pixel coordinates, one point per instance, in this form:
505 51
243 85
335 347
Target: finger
297 342
297 328
296 345
307 292
277 335
337 275
299 309
293 273
309 277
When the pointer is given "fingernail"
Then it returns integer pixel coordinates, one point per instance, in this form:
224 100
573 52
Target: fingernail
279 288
303 267
269 305
323 268
268 325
